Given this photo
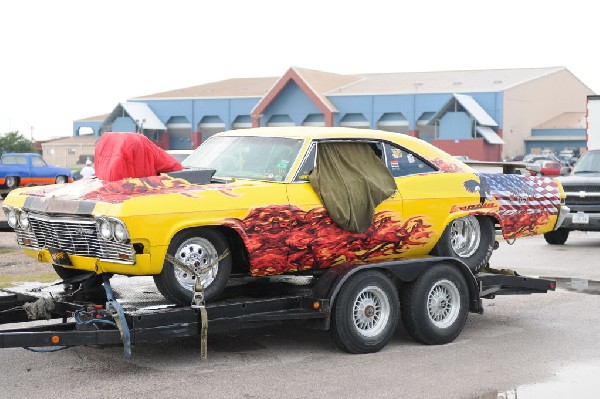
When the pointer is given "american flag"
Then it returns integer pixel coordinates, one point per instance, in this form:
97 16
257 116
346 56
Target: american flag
517 193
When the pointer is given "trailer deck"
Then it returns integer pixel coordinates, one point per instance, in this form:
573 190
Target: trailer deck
139 314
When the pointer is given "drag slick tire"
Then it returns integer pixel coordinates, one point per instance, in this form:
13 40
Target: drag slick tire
365 313
434 307
557 237
195 248
470 239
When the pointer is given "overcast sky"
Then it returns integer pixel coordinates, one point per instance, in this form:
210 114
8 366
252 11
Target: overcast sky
62 60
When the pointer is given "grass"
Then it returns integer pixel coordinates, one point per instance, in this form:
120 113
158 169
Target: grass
9 281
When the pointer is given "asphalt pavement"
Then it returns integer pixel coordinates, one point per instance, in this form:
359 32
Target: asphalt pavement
529 346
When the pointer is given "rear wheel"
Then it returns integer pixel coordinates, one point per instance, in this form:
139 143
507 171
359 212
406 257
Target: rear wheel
435 306
470 239
196 248
557 237
365 313
11 182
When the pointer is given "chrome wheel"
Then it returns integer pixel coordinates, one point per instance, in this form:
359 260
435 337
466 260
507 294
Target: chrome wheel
61 179
443 303
465 235
196 253
371 311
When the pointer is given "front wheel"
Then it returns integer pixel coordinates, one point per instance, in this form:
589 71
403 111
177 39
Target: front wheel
435 306
470 239
195 248
557 237
61 179
365 313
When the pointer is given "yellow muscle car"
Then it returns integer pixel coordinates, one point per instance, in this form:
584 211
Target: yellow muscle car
268 201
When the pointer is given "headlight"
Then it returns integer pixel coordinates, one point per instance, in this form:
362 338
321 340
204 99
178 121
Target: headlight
11 217
24 220
120 232
106 230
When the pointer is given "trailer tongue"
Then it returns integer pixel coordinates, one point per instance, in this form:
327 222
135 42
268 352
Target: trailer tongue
358 305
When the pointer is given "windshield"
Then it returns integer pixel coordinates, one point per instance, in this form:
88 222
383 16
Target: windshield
260 158
588 163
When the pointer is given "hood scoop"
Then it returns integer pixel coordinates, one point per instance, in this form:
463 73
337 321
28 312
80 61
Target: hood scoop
194 176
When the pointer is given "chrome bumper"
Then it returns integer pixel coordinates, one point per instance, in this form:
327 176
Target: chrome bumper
562 214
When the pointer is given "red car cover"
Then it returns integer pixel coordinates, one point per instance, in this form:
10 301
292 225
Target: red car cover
122 155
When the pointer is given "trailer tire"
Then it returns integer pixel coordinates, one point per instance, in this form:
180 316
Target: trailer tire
206 244
470 239
365 313
434 307
557 237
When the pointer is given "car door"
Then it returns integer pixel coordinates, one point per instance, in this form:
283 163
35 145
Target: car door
316 241
40 170
424 192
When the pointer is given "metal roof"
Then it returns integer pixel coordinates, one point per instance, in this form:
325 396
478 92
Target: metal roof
556 138
470 105
332 84
142 114
489 135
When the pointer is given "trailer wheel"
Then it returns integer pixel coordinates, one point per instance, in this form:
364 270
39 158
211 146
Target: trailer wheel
557 237
195 248
470 239
365 313
434 308
11 182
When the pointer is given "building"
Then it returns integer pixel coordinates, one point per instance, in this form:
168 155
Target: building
482 114
69 151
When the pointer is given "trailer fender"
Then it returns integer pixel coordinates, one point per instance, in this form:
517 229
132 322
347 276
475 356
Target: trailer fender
404 270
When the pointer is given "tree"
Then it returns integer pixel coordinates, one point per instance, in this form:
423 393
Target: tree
15 142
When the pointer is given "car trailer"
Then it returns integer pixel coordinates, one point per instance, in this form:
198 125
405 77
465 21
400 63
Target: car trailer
358 305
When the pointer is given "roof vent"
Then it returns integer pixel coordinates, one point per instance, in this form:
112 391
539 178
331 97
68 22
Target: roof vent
497 82
456 83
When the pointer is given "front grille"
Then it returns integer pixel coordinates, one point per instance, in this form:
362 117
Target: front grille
76 236
577 189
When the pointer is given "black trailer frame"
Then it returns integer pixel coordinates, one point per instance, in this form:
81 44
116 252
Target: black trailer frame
258 303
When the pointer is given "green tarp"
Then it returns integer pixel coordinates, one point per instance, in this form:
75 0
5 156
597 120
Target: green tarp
351 181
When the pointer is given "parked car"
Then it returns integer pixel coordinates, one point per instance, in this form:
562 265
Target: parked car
267 201
545 167
582 190
29 169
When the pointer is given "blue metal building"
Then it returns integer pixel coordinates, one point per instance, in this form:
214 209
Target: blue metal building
483 114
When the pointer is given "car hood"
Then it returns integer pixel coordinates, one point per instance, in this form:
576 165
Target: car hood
580 179
91 196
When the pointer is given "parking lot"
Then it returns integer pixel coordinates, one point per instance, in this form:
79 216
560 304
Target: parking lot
541 345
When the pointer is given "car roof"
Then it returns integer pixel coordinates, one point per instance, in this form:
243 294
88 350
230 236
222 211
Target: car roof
420 147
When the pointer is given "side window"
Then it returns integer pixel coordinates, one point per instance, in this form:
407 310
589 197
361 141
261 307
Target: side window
403 163
308 164
37 161
21 160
